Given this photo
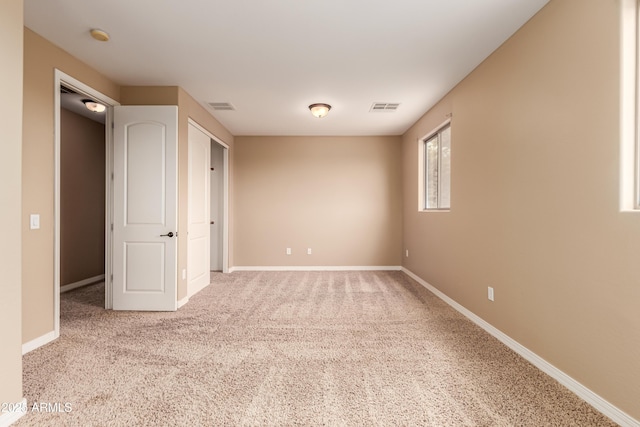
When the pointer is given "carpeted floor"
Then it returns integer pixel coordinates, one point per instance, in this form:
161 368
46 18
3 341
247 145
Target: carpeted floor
289 348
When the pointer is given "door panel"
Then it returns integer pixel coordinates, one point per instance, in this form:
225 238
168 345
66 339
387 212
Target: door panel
145 208
139 279
144 161
198 236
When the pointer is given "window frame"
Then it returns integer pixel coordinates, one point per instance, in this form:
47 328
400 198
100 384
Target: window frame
630 107
423 169
636 139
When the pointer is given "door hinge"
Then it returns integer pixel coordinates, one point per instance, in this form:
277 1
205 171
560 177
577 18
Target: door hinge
112 278
111 176
111 227
112 125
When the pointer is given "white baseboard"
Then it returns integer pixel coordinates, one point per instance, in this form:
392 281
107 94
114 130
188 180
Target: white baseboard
595 400
8 418
183 301
38 342
318 268
85 282
191 292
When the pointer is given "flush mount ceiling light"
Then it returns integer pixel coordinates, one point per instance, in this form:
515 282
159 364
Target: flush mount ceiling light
93 106
99 35
319 110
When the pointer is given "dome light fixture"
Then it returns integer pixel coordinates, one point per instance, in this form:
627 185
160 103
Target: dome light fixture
100 35
93 106
319 110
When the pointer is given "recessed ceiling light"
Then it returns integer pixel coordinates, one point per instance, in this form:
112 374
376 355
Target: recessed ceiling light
99 35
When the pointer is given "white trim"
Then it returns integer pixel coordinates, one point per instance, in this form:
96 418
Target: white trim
81 283
8 418
61 78
437 129
628 106
209 134
422 166
317 268
39 342
599 403
195 137
108 217
225 196
225 212
198 289
183 301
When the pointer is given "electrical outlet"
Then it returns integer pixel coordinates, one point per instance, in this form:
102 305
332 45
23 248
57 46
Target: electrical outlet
288 251
184 273
406 253
490 293
308 251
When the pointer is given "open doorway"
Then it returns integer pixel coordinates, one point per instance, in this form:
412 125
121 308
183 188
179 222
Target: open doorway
82 191
81 260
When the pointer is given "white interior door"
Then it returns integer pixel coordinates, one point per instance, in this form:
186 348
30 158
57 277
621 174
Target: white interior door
145 207
198 235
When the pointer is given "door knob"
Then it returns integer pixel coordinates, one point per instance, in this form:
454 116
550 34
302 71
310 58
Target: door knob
169 234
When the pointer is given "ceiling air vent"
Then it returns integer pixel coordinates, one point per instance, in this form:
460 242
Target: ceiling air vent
384 106
222 106
64 89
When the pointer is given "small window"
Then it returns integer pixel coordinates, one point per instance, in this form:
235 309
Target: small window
630 109
636 71
436 167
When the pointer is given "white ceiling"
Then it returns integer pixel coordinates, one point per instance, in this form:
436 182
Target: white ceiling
271 59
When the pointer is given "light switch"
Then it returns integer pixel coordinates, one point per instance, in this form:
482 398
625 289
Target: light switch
34 221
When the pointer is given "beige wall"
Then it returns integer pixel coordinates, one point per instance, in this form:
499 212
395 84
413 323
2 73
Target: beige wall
40 59
149 95
535 146
339 196
82 197
11 45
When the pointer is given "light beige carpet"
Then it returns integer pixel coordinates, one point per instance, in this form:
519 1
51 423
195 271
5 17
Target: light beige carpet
290 348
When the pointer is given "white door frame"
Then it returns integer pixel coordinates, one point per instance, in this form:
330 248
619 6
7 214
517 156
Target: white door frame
63 79
199 222
225 185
